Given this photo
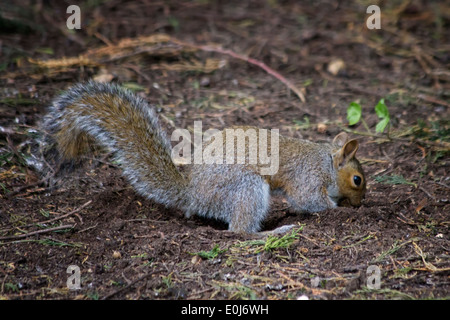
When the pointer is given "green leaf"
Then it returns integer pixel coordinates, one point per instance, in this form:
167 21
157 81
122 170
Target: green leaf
382 113
353 113
381 109
382 125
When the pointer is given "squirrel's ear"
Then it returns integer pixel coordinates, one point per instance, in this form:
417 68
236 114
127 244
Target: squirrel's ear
340 139
350 149
346 153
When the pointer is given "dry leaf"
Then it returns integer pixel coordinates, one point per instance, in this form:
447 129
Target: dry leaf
335 66
322 127
103 76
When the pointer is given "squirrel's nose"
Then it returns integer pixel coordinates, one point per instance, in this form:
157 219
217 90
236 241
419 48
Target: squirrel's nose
356 202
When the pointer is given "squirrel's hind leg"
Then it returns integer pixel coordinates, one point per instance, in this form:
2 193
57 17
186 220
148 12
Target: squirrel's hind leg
230 193
250 207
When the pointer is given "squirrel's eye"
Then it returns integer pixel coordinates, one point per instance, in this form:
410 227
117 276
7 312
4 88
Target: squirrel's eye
357 180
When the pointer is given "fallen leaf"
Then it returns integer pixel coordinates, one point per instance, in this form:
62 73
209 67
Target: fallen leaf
335 66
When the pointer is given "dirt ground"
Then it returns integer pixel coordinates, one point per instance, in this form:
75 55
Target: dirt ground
127 247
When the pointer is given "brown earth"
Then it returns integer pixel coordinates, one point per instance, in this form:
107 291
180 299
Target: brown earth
130 248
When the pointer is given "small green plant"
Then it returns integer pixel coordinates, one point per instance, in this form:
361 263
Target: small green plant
11 287
174 22
274 242
93 295
382 113
44 212
238 291
394 179
354 113
395 247
271 243
305 124
167 281
213 253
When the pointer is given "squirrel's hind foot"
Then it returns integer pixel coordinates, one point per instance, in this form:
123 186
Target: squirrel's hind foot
277 231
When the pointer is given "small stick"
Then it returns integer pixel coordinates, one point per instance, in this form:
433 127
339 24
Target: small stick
433 100
260 64
131 284
20 236
54 219
255 62
67 214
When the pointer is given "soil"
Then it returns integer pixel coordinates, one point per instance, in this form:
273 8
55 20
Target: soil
127 247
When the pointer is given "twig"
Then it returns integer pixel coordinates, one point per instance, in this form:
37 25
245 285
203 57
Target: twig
359 242
427 193
152 44
54 219
67 214
439 144
428 266
20 189
255 62
260 64
20 236
360 133
443 184
432 100
131 284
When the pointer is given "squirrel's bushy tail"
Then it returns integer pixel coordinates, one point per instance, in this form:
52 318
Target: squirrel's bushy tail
117 119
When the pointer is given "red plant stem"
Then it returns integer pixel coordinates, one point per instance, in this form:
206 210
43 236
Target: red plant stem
258 63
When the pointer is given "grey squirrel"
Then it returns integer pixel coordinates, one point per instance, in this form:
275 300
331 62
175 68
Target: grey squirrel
313 176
